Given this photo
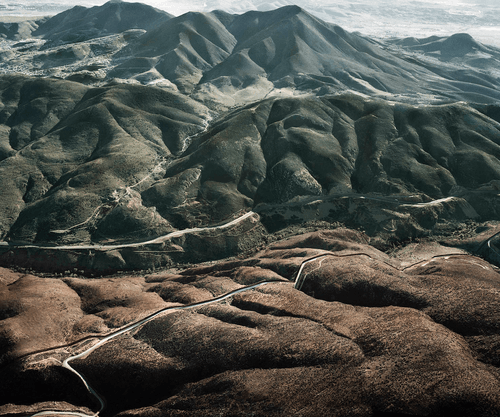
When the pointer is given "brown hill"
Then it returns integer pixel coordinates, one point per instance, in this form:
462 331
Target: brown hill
365 336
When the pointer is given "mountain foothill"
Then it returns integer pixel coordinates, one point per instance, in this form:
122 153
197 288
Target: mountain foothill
150 161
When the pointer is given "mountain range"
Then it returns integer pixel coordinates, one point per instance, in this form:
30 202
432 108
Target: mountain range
232 59
246 214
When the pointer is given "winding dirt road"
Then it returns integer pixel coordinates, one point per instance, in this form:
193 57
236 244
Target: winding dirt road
131 327
155 241
298 283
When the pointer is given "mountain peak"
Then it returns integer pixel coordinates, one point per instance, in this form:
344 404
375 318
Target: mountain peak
463 40
292 8
84 23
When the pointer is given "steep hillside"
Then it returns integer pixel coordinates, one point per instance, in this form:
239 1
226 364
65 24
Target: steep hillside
181 50
68 150
283 48
126 163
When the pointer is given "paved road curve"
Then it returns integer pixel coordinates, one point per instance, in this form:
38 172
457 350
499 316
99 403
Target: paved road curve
133 326
154 241
298 283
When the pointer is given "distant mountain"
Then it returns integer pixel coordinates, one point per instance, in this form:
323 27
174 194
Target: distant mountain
460 48
457 45
283 48
180 51
225 60
81 23
20 30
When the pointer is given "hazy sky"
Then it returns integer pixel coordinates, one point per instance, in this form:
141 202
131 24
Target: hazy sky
170 5
165 5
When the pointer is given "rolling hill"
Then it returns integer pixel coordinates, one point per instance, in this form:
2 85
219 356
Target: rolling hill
125 163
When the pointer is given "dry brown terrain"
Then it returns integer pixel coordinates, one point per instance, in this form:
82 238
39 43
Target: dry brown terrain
364 336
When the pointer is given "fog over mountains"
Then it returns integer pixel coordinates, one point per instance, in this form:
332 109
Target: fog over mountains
157 162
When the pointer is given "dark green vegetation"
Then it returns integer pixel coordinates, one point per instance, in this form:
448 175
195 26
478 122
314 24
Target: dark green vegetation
68 150
122 163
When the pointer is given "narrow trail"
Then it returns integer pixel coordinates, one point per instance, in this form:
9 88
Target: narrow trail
131 327
493 247
187 141
116 199
164 163
178 233
157 240
299 280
